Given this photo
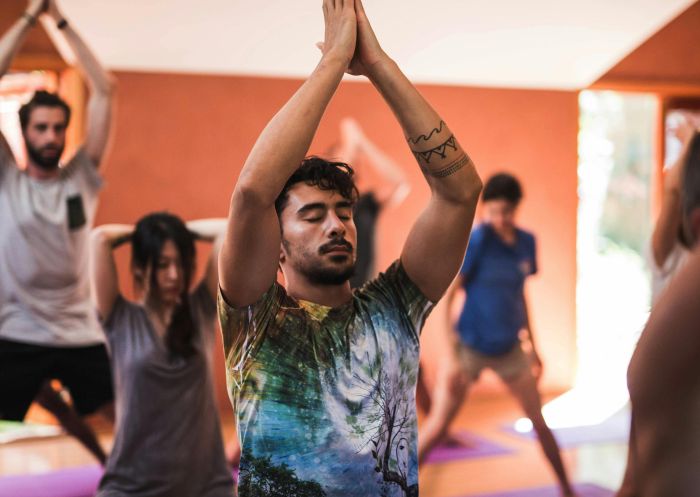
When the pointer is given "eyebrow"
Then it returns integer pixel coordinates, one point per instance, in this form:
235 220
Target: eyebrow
343 204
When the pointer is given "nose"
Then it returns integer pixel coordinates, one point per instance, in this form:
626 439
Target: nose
173 272
51 135
335 225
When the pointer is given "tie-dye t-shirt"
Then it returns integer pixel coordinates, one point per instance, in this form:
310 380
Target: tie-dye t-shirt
325 397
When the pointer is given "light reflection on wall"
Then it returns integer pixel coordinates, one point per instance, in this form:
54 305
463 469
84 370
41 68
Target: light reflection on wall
616 155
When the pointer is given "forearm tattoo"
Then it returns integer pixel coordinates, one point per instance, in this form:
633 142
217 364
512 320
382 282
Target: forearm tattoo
450 169
439 154
438 130
441 150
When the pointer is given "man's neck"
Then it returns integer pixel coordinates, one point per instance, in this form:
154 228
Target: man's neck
328 295
41 173
507 236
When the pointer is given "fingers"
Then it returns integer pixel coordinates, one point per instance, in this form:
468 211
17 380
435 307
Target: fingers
359 8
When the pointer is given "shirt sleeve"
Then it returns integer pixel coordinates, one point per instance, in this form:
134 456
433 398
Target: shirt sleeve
244 328
7 163
84 170
395 288
120 311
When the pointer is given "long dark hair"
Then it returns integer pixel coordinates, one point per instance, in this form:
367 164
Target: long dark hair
150 234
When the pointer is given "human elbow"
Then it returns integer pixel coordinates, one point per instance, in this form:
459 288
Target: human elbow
107 86
248 195
99 237
466 192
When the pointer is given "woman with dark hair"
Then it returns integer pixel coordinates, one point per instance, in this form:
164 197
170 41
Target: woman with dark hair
168 437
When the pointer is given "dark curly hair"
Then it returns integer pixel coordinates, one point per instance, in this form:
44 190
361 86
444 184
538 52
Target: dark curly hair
42 98
150 234
503 186
324 174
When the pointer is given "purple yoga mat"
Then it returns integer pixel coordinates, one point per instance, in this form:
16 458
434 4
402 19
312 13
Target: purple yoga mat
582 490
474 446
73 482
614 429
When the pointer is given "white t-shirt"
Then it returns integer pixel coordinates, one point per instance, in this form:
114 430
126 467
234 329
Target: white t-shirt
44 229
662 276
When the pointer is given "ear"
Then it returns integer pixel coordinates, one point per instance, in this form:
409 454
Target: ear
283 255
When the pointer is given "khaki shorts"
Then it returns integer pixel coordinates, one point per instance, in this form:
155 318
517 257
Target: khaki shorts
509 366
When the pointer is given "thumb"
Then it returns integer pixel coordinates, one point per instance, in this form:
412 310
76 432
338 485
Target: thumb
320 45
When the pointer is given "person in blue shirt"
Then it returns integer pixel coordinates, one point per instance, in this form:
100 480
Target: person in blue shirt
493 328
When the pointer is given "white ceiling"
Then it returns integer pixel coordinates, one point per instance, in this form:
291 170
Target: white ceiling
563 44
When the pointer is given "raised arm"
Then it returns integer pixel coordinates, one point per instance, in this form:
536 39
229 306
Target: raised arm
11 42
212 231
435 246
251 249
103 270
394 186
100 82
668 224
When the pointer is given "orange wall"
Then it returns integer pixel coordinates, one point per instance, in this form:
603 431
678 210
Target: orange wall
181 140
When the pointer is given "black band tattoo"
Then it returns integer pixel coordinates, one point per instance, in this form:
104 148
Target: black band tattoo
426 138
448 170
440 150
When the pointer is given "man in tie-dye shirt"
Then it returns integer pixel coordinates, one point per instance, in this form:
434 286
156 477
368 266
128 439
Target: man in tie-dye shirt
323 379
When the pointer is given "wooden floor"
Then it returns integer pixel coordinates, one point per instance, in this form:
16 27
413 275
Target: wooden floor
525 467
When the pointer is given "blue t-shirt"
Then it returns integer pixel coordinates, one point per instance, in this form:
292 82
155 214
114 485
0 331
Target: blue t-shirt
493 274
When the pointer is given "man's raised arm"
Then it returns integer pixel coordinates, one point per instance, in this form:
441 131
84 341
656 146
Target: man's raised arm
11 42
435 246
251 250
100 82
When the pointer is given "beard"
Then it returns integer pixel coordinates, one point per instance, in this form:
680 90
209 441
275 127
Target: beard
319 274
329 276
38 158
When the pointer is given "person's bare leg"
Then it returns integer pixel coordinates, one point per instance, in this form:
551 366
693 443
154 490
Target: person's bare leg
450 390
525 390
51 400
